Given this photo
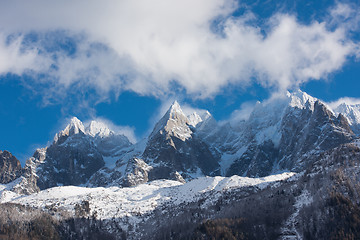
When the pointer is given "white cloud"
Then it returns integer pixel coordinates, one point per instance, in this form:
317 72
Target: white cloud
152 44
346 15
188 110
347 100
243 113
13 59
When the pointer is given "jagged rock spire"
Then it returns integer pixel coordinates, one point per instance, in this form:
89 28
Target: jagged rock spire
174 123
74 127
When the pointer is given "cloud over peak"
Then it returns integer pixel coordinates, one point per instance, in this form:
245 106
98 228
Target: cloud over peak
147 46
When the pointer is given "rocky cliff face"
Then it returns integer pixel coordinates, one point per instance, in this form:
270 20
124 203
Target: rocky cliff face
311 131
69 163
15 178
10 167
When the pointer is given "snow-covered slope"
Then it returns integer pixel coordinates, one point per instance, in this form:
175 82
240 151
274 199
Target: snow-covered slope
284 206
132 205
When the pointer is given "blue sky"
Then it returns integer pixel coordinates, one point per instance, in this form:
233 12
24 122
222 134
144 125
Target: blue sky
126 61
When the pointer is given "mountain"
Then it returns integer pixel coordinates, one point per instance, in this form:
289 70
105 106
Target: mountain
320 202
289 170
173 148
76 154
172 151
281 134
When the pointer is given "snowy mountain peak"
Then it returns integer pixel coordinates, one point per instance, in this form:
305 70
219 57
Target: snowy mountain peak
175 113
194 119
343 107
175 107
174 122
275 106
74 127
300 99
99 129
352 114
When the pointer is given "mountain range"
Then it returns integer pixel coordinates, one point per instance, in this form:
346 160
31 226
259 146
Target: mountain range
290 150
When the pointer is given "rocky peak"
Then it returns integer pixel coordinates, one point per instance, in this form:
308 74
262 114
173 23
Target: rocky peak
74 127
269 114
10 167
174 123
301 100
174 149
175 113
175 107
277 105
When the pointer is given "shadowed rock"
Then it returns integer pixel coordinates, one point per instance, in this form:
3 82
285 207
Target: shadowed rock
10 167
